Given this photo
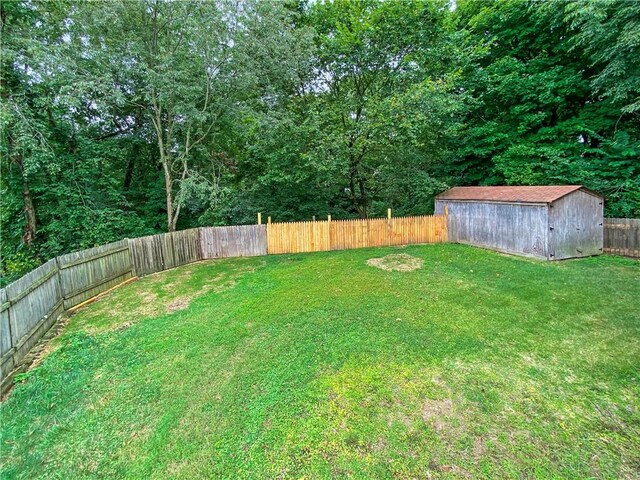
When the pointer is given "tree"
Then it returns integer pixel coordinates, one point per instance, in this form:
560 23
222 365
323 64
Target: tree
160 61
376 105
126 118
535 116
380 72
607 31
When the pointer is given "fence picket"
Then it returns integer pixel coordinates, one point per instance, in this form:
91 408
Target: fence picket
87 273
30 305
622 236
317 236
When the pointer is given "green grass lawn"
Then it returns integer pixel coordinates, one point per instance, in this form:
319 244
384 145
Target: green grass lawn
319 365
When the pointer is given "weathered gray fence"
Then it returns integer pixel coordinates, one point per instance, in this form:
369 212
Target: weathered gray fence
622 236
237 241
87 273
152 253
155 253
30 305
186 246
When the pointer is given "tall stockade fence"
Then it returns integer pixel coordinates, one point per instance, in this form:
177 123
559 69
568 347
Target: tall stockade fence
622 236
32 304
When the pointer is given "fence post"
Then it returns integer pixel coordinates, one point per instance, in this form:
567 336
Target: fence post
269 219
199 245
5 302
60 285
259 218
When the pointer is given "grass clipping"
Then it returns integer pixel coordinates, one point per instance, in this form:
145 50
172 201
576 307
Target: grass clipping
399 262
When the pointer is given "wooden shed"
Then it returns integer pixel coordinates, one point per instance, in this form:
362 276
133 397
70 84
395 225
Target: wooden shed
548 222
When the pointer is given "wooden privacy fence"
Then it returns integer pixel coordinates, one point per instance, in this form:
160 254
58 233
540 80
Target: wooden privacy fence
30 305
155 253
236 241
622 236
296 237
87 273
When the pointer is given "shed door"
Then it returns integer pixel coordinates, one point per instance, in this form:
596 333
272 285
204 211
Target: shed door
576 226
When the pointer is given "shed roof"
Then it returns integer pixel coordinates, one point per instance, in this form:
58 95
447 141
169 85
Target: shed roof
521 194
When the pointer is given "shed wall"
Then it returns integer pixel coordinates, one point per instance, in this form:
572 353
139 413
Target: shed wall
576 226
508 227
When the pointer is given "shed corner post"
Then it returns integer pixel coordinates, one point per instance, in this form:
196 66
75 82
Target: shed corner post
5 303
446 223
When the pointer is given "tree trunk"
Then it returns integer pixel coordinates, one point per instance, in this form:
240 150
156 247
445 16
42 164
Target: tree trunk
168 190
363 199
166 162
128 175
356 183
29 213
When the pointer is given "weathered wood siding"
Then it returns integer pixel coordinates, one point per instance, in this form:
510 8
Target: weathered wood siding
235 241
516 228
155 253
186 246
576 226
152 253
297 237
622 236
88 273
30 306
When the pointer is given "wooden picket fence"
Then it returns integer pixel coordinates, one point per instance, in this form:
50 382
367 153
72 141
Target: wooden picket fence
30 305
622 236
317 236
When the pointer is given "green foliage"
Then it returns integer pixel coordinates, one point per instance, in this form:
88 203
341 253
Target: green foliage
537 116
478 364
609 32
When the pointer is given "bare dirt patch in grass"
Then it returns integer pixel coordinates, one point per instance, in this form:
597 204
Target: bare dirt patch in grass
124 326
397 262
176 304
435 412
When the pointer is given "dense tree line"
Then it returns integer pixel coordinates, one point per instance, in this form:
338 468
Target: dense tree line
125 118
